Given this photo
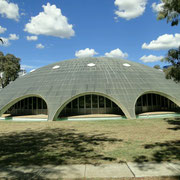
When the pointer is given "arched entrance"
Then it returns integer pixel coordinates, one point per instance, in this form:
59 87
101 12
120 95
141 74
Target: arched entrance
28 106
90 104
152 102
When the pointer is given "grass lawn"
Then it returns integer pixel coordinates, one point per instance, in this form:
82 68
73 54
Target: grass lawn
90 142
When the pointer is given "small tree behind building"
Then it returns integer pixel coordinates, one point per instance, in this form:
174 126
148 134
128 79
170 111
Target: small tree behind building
9 68
157 66
173 71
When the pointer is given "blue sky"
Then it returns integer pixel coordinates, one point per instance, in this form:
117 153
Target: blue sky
41 32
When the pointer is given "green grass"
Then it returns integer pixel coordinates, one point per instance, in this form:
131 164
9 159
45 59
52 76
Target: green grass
94 142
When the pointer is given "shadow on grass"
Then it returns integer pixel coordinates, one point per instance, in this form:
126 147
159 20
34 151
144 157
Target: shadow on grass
166 152
49 146
52 146
175 122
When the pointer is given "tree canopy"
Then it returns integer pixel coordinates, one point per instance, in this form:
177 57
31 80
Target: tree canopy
173 57
157 66
9 68
170 11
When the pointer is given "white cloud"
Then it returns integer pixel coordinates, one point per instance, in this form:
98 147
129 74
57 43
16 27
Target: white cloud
116 53
129 9
151 58
157 7
2 30
85 53
23 66
5 41
9 10
12 37
165 41
31 38
39 46
50 22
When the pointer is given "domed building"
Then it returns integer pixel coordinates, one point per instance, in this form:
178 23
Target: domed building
91 86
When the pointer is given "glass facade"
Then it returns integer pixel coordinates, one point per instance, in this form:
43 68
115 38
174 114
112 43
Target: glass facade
28 106
154 102
90 104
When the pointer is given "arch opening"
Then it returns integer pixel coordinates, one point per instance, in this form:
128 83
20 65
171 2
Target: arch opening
151 102
28 106
90 104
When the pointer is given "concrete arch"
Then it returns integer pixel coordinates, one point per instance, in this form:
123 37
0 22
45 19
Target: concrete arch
173 99
124 110
11 103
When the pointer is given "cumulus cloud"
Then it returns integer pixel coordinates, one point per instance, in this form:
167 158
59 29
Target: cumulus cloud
13 37
2 30
116 53
50 22
6 40
39 46
157 7
85 53
24 66
151 58
129 9
31 38
165 41
9 10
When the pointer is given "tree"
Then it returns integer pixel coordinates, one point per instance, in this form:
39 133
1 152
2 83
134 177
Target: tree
170 11
9 68
173 57
156 67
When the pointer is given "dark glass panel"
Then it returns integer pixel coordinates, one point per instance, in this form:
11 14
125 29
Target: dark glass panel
81 102
74 103
69 105
88 101
94 101
101 101
114 105
34 102
108 103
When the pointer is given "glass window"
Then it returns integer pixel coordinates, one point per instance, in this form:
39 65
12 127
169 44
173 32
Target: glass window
158 99
44 104
162 101
26 103
30 103
154 99
75 103
114 105
94 101
88 101
139 101
69 105
144 100
101 101
34 102
108 103
149 100
22 104
39 103
81 102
